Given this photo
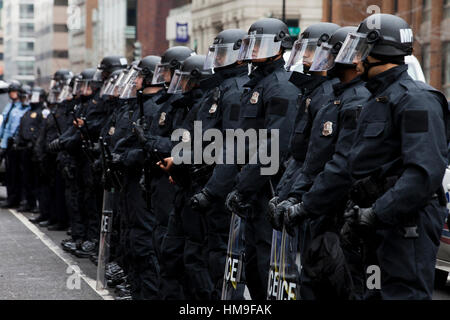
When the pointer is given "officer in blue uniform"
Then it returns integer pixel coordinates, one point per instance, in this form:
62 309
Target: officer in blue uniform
8 130
268 102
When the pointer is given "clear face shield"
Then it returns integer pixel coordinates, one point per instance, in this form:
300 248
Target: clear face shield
106 86
86 88
302 53
259 46
182 82
118 85
355 49
162 74
35 97
130 90
221 55
76 90
324 57
65 94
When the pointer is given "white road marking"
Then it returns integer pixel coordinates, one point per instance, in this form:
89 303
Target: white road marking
61 254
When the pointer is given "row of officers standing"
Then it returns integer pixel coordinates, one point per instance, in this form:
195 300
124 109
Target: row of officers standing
362 154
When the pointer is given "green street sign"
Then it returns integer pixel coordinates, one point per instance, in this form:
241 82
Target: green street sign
294 31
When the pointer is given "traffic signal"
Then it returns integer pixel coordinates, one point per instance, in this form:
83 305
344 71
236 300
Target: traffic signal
137 53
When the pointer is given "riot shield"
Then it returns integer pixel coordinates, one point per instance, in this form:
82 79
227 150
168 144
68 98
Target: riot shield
290 268
105 236
274 269
233 280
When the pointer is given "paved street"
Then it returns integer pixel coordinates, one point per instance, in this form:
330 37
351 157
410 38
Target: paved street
32 265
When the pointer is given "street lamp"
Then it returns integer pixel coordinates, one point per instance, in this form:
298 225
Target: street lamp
284 11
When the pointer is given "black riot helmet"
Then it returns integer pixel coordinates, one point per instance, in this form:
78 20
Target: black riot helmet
383 36
146 68
225 49
14 86
265 39
170 61
189 75
110 64
25 92
88 81
305 47
38 95
326 54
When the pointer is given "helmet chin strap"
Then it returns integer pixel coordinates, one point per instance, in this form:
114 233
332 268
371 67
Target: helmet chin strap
383 60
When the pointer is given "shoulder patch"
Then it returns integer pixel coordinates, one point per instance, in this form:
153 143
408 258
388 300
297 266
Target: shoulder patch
415 121
278 106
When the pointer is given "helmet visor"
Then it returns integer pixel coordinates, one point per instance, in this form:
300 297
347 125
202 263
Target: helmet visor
86 88
354 49
182 82
302 53
221 55
35 97
65 94
162 74
259 46
130 91
323 58
77 87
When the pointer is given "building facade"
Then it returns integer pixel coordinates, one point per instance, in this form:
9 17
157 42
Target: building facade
429 19
209 17
19 40
114 25
51 39
81 34
179 26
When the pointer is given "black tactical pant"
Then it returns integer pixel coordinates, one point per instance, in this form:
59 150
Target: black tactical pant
86 214
258 243
58 211
144 267
29 177
13 176
218 224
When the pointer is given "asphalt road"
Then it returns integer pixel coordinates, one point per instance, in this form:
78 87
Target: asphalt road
34 267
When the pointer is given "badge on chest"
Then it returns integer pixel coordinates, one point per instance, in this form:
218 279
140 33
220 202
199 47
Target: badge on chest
33 115
255 98
111 131
327 129
162 119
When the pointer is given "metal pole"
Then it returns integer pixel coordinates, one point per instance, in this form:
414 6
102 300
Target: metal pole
284 10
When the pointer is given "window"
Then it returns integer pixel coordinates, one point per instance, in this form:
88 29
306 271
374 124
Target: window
446 69
26 49
26 30
26 11
426 7
446 9
131 13
426 61
25 68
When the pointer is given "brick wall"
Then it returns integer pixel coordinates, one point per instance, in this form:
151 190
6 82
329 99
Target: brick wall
151 25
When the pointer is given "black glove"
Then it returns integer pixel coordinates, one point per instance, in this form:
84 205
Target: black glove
139 132
54 146
294 216
116 162
235 203
363 221
201 200
277 215
273 217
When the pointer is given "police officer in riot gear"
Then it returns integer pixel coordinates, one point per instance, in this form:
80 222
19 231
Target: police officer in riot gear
397 161
157 144
317 187
10 125
221 111
268 103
